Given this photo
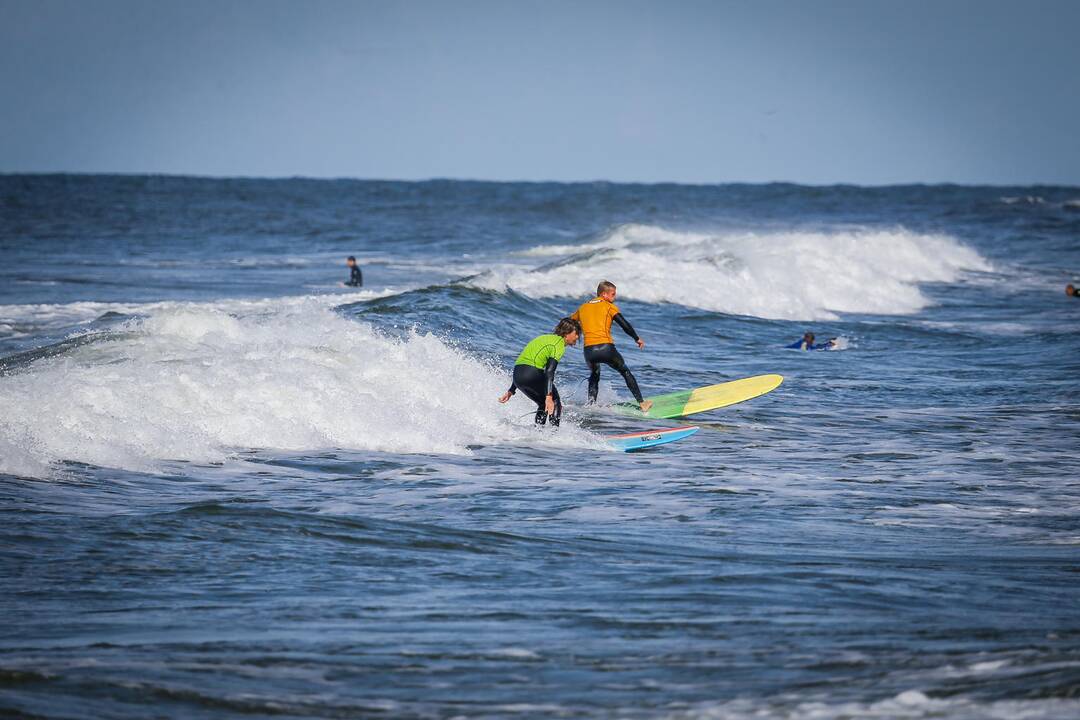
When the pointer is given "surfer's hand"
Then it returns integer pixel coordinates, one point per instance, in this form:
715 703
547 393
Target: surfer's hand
640 344
505 397
549 405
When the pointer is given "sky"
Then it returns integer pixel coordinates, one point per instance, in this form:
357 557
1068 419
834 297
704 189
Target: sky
866 92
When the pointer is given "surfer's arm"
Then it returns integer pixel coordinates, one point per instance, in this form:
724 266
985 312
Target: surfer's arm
626 327
509 393
549 374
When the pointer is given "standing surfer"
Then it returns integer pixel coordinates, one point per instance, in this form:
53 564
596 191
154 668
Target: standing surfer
534 370
596 317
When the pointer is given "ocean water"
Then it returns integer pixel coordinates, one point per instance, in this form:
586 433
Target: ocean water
231 487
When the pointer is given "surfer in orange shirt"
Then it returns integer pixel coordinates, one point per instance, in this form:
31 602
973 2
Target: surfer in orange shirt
596 317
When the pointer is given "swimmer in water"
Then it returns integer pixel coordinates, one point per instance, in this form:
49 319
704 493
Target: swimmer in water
596 317
1071 291
534 371
356 278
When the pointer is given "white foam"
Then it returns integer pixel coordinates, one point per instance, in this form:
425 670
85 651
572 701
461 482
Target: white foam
46 316
795 275
989 666
196 383
515 653
909 705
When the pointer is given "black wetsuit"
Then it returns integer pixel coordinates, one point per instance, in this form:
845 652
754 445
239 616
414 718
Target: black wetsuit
356 278
608 355
537 384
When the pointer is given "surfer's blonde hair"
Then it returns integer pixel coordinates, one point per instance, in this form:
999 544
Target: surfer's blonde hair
604 286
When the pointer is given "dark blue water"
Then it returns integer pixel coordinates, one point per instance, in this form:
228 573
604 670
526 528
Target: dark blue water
231 487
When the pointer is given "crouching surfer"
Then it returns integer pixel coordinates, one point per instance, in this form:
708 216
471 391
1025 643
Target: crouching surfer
534 370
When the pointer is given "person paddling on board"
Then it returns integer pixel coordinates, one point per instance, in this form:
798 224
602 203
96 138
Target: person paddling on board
1071 291
356 278
534 370
596 317
807 343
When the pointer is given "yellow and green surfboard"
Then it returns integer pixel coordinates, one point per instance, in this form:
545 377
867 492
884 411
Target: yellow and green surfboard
703 399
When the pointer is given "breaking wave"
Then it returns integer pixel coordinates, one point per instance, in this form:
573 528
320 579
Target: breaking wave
794 275
195 383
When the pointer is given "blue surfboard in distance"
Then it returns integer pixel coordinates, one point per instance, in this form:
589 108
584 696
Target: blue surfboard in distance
649 438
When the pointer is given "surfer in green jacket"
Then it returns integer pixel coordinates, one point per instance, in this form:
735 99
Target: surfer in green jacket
534 370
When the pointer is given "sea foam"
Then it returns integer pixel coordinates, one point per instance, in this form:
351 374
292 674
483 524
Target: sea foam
793 275
195 383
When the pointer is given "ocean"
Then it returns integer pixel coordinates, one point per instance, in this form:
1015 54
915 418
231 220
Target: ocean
231 487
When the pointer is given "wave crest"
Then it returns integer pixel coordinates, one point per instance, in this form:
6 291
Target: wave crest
792 275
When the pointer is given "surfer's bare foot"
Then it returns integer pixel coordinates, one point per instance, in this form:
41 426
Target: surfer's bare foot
645 405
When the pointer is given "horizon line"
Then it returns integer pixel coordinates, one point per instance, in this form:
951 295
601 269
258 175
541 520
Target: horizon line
598 181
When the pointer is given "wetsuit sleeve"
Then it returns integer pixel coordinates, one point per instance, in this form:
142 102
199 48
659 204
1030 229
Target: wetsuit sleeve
549 374
513 387
625 326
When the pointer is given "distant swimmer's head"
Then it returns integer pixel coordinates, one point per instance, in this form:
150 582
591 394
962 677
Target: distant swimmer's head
1070 290
569 329
606 290
350 261
808 338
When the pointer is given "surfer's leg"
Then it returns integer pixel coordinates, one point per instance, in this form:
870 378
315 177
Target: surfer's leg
533 384
594 381
619 364
594 374
631 382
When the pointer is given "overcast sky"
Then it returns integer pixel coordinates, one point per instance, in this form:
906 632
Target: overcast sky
868 92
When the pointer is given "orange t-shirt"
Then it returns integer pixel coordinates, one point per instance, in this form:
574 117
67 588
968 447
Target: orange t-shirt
595 318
